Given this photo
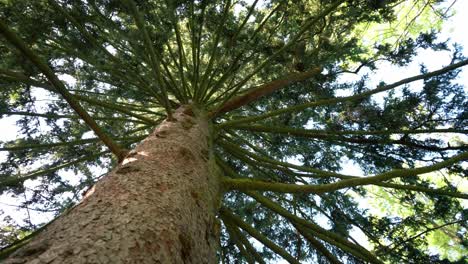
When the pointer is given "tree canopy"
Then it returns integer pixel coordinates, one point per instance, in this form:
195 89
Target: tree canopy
88 80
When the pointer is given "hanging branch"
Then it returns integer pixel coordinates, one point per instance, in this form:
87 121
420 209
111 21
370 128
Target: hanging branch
321 233
347 248
248 184
16 41
246 243
24 206
379 89
365 141
234 236
317 245
227 214
313 233
256 93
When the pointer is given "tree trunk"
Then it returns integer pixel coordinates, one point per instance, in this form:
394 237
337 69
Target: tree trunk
158 206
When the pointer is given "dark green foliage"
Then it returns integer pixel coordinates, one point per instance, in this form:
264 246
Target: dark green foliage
128 63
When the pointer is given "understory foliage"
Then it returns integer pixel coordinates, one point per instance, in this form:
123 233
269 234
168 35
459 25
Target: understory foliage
87 80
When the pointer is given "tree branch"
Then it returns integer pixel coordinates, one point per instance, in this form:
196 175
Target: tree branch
152 54
233 67
234 236
248 184
255 93
227 214
379 89
311 21
98 44
247 245
6 180
180 51
57 116
68 143
423 189
319 173
317 245
201 91
16 41
331 136
387 249
317 132
17 76
321 233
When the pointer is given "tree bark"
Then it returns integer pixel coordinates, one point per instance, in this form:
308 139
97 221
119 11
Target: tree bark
158 206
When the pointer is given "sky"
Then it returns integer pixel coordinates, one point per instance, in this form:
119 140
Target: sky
454 28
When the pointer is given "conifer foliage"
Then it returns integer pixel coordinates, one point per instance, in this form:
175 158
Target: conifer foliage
88 80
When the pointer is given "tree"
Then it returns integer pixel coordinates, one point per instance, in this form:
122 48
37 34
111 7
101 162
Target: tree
225 130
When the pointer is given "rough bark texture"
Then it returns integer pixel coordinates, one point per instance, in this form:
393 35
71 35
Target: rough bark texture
157 206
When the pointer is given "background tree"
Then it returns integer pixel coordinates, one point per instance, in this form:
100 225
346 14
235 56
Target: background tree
248 93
